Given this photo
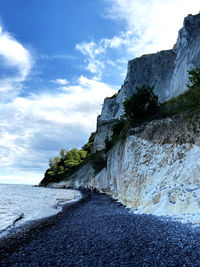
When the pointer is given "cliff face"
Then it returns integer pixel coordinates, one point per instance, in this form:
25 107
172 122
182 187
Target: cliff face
166 70
155 170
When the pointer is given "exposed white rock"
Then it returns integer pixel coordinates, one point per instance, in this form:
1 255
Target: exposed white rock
166 70
152 171
157 168
103 131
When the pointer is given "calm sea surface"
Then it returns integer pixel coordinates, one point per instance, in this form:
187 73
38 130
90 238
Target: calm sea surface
23 203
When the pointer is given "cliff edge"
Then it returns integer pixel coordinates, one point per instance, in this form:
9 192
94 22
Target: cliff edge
155 169
167 71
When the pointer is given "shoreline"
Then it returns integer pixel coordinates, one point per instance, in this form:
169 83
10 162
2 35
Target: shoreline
32 206
18 235
99 231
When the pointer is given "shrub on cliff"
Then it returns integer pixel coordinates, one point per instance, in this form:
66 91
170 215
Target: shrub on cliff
194 77
142 104
118 131
88 147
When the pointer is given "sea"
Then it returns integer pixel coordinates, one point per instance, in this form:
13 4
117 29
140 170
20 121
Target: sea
20 204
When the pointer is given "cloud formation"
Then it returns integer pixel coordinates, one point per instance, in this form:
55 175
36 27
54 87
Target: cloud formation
150 26
154 23
93 53
40 125
99 56
14 56
34 128
60 81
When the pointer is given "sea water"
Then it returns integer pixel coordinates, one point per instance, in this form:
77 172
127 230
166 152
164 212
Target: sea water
22 203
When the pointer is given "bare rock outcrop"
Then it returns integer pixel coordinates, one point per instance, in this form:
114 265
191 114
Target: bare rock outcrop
155 170
167 71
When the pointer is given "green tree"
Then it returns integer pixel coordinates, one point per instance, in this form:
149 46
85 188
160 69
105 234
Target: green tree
194 77
74 157
63 153
142 104
64 164
53 163
83 154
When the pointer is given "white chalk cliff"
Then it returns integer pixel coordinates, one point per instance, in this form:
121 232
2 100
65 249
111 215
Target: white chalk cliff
166 70
156 169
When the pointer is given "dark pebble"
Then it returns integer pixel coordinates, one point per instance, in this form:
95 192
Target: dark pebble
97 231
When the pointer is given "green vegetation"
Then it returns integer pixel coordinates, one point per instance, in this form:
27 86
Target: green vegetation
144 106
141 106
88 147
187 102
98 161
119 131
194 77
64 165
113 96
70 161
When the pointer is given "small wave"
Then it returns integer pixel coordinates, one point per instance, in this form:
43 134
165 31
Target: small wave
17 219
20 204
6 230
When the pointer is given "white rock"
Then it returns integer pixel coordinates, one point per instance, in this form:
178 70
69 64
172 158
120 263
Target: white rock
166 70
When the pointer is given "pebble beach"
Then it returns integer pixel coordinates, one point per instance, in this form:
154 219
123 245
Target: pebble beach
98 231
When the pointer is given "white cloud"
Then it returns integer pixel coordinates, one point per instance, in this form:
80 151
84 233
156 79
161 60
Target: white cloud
60 81
117 41
154 23
150 26
35 128
40 125
15 56
98 56
93 53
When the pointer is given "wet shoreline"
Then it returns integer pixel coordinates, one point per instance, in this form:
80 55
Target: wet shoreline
98 231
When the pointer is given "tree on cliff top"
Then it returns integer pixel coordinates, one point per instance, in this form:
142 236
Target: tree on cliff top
142 104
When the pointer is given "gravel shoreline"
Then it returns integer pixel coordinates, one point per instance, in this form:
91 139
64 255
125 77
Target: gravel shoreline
97 231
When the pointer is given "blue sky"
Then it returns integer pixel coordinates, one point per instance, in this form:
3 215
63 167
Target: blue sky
59 60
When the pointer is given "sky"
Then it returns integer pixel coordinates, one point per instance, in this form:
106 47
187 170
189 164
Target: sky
59 60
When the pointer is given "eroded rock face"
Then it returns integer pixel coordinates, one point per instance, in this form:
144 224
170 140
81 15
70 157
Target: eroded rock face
155 170
187 49
166 70
103 131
